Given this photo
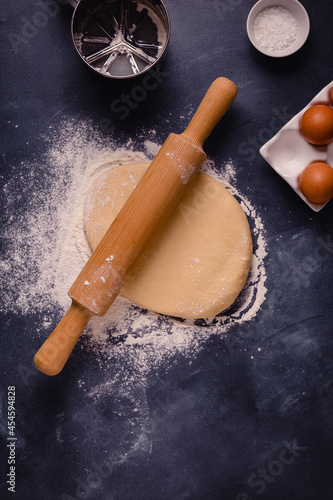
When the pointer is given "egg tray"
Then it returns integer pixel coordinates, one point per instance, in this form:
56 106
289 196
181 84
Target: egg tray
288 153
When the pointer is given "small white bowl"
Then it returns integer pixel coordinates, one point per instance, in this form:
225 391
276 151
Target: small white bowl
298 12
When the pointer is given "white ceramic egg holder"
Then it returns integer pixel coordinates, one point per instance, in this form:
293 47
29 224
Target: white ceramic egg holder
289 153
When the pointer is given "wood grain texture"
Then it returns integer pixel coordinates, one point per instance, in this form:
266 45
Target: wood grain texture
140 219
52 356
138 222
216 102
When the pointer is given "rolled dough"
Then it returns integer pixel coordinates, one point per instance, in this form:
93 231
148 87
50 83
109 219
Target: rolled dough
198 263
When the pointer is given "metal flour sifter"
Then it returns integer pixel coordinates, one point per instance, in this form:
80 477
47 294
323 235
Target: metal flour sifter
120 39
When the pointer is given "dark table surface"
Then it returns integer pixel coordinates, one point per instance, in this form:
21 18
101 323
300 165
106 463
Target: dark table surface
241 419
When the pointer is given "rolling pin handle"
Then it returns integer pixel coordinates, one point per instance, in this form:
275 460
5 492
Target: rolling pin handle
53 354
215 103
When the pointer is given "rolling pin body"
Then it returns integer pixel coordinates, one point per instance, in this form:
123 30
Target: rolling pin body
144 213
138 222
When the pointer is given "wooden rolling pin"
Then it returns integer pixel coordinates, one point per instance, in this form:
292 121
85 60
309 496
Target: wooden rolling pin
146 210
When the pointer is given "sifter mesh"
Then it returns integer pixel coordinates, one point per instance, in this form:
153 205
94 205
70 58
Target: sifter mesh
121 38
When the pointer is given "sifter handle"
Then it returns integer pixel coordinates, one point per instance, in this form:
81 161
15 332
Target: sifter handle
73 3
215 103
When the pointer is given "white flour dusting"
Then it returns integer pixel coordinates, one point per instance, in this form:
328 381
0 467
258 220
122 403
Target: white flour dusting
45 248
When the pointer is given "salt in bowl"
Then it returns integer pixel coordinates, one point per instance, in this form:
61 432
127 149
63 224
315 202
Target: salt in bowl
301 17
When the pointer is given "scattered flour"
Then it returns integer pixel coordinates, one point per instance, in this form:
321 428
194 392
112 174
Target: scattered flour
45 248
45 245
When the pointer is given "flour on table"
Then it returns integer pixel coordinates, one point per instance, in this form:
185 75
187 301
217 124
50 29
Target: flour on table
46 252
45 248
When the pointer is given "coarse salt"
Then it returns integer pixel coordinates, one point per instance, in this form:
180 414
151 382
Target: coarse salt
275 28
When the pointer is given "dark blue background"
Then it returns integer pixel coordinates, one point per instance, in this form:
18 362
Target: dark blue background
224 418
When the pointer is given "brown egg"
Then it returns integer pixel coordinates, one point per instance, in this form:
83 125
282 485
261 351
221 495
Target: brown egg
317 124
316 182
331 96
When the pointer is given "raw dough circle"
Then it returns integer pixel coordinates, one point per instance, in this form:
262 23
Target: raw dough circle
198 263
